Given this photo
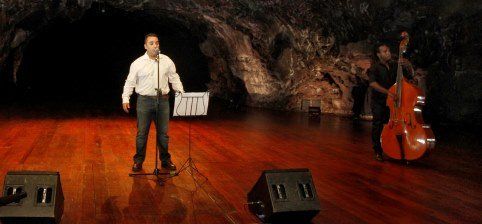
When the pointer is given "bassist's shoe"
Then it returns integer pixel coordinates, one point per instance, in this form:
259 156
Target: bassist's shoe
379 157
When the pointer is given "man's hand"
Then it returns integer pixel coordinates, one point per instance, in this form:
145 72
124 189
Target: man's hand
126 107
413 81
393 96
405 62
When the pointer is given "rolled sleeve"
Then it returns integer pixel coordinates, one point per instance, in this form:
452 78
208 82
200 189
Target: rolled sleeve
130 83
372 75
174 78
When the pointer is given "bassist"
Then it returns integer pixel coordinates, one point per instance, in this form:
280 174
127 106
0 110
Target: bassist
382 75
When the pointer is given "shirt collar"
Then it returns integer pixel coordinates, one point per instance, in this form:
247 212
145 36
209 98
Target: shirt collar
146 57
390 63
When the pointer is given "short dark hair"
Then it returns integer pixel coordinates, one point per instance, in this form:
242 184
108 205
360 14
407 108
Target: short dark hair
376 49
150 35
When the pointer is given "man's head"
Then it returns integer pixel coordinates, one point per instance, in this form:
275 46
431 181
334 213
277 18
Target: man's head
151 44
382 52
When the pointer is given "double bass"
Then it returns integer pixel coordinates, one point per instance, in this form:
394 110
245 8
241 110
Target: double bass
406 136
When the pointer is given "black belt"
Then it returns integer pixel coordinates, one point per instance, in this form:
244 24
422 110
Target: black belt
165 96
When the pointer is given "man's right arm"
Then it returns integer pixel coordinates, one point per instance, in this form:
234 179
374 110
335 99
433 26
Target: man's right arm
129 86
372 75
380 88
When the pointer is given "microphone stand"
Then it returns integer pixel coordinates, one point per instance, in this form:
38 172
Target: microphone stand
156 171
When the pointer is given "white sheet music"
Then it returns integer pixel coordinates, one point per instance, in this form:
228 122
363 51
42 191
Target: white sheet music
191 104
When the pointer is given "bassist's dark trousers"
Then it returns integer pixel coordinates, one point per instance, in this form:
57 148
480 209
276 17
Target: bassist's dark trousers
381 115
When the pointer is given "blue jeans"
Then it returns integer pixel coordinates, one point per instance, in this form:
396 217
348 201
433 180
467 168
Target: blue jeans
146 112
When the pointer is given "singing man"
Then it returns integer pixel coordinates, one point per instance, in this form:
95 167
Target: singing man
151 87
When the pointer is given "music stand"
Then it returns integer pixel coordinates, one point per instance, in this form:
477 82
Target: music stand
190 105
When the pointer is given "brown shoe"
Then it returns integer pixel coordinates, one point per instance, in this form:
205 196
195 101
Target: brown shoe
137 167
168 165
379 157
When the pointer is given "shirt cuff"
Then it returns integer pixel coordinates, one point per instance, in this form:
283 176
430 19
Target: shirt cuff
179 90
125 99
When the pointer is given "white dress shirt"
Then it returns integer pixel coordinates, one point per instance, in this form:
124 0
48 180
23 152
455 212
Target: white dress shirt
143 77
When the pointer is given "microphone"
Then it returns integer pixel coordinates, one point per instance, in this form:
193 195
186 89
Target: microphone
157 52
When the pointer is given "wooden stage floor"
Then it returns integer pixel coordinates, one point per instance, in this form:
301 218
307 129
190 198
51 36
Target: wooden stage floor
93 153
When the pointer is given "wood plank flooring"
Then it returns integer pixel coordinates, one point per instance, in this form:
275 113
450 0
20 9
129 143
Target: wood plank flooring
93 153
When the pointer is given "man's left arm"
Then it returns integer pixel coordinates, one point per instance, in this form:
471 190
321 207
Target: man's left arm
174 78
408 71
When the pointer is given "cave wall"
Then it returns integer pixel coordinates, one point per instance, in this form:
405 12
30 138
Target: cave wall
281 52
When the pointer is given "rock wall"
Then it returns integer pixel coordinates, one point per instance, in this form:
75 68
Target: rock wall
278 53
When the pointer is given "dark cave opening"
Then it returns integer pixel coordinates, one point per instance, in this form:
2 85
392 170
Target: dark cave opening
87 61
280 43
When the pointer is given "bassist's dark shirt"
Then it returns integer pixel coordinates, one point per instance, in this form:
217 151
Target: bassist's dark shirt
379 73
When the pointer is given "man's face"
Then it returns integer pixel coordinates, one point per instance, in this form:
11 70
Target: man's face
151 45
384 53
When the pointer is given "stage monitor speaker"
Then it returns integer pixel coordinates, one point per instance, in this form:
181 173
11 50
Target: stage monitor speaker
284 196
44 202
314 112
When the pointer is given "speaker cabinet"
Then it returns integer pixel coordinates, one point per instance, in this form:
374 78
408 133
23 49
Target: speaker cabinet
314 112
44 202
284 196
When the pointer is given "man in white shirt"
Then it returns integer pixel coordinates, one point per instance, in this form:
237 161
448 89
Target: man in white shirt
143 76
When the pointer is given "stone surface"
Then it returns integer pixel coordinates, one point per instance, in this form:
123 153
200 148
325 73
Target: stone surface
276 53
